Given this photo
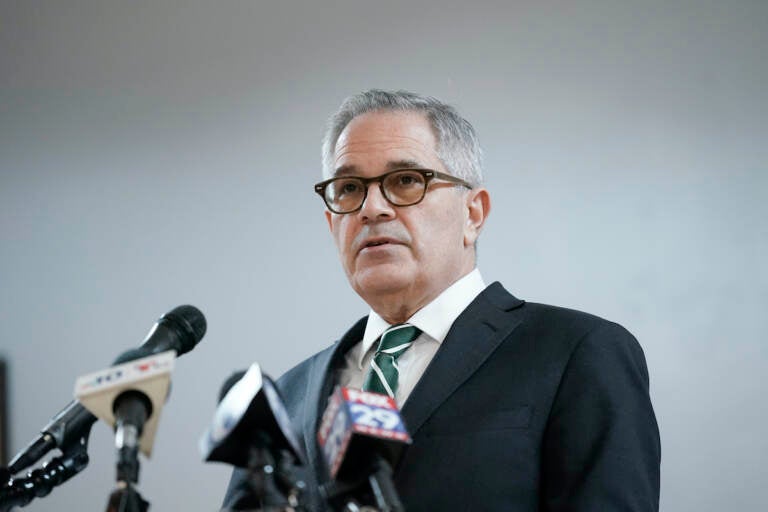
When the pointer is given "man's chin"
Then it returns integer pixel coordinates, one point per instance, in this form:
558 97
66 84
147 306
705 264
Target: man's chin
382 280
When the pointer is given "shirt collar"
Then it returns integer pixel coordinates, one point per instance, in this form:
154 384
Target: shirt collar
434 319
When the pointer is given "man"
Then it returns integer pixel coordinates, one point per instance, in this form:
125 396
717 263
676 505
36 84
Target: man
511 405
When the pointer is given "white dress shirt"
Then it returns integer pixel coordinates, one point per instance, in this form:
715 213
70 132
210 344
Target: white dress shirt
434 320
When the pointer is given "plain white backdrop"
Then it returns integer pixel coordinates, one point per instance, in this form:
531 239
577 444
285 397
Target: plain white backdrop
160 153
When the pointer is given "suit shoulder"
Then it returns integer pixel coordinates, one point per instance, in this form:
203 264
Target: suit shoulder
536 315
560 317
572 327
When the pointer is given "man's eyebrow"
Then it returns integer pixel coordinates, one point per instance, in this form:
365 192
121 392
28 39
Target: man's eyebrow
403 164
393 165
345 170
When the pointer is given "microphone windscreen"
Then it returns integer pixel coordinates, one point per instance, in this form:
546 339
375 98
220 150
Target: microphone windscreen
250 412
191 322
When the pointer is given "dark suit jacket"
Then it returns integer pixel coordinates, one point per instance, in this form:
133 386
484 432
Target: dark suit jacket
525 407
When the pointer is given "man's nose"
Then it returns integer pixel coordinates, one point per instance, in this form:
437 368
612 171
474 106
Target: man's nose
376 207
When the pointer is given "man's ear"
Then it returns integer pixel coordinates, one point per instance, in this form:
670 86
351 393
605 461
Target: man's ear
478 208
328 219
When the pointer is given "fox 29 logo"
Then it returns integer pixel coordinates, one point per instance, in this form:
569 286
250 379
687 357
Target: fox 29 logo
378 422
375 417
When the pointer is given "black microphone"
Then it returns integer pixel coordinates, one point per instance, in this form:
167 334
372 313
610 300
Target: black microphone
180 329
248 403
251 429
362 437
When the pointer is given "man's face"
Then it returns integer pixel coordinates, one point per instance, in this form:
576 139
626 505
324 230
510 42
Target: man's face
403 255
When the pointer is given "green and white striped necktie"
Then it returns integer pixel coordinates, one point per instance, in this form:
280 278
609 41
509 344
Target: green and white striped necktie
383 375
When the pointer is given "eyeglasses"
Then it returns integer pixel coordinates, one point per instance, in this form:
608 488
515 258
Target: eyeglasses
403 187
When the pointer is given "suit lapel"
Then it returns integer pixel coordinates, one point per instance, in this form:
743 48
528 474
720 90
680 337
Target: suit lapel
475 334
319 387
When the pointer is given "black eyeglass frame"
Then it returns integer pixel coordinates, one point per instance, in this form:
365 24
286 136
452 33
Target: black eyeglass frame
428 174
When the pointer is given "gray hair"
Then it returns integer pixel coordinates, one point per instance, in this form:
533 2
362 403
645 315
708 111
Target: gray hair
457 145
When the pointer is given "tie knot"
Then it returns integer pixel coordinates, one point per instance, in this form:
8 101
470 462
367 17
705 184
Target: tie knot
397 339
384 373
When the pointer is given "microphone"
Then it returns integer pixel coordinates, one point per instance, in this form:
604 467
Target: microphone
362 437
131 393
129 397
180 329
249 403
251 429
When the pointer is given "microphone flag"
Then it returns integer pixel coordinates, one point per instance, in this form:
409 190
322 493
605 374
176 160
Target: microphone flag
356 423
150 375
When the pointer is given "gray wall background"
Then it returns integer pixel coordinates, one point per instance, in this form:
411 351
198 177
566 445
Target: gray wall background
160 153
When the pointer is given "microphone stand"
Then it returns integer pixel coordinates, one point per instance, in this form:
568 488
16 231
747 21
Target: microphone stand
273 483
379 479
19 492
132 416
387 499
261 469
292 485
125 498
